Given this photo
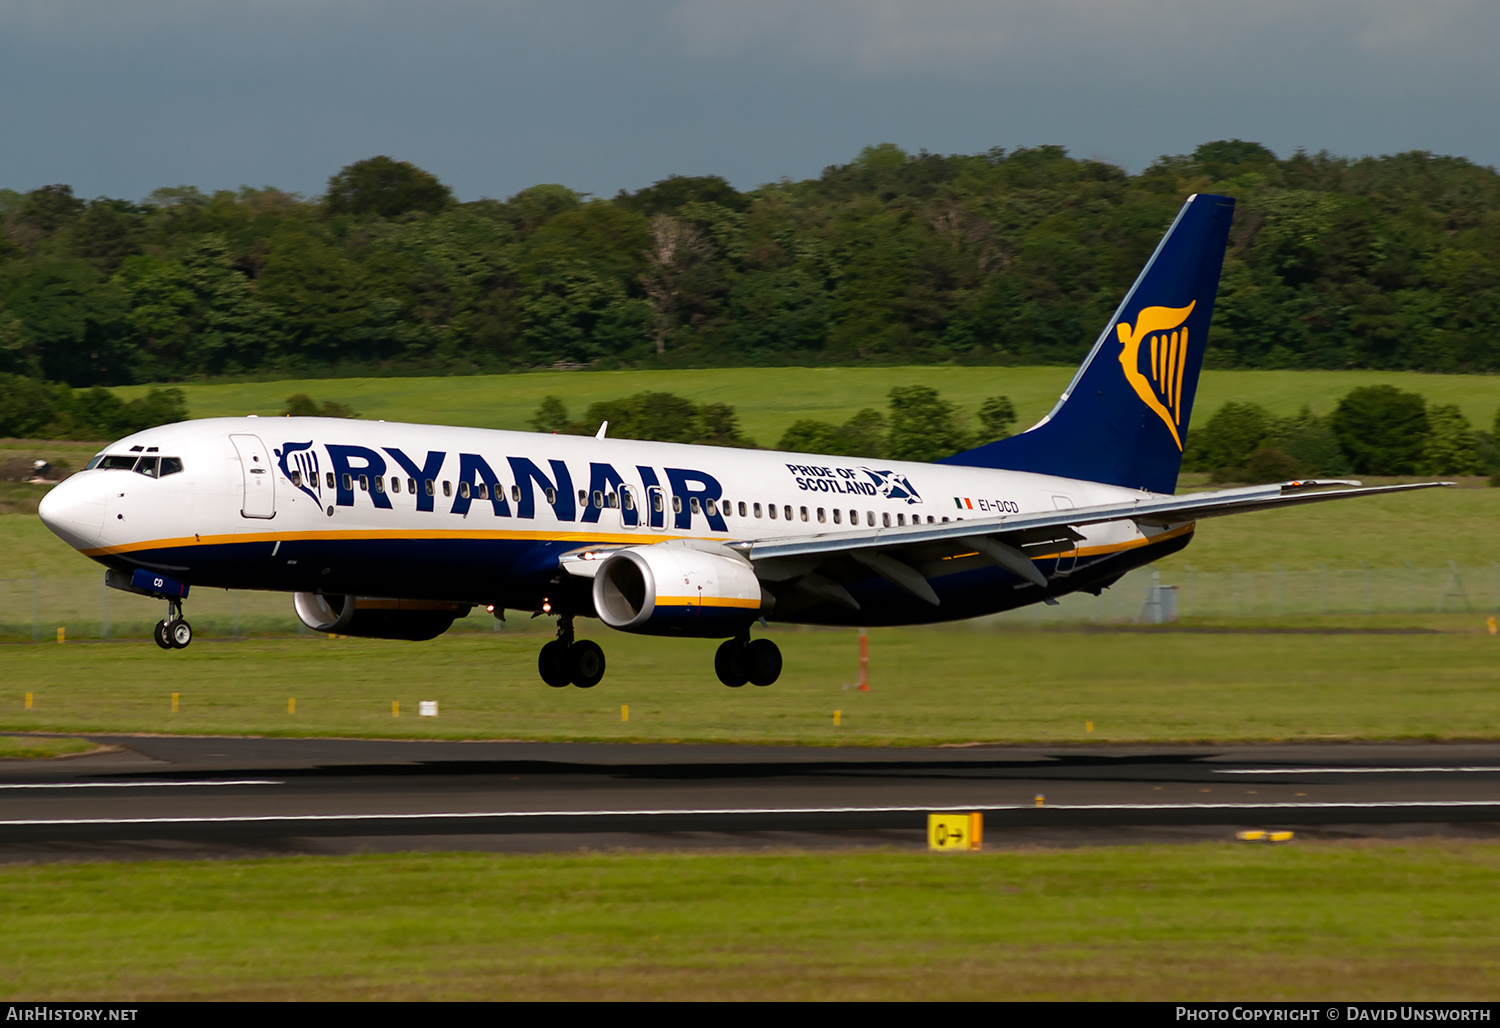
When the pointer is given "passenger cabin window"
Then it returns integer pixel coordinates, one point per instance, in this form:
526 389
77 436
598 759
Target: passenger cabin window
854 517
804 513
870 518
482 490
348 482
598 499
771 511
463 490
900 519
447 488
515 493
380 484
822 517
787 510
551 495
693 503
885 519
838 516
627 498
677 505
364 483
330 479
395 484
757 510
411 486
657 503
429 487
742 509
583 496
297 479
709 506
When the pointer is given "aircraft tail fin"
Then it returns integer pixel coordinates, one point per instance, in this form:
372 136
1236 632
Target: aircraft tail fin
1124 417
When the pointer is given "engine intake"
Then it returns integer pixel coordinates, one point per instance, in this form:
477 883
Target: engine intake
371 617
669 589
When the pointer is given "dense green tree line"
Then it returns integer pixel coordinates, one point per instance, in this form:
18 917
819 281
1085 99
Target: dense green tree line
1002 257
1374 430
37 410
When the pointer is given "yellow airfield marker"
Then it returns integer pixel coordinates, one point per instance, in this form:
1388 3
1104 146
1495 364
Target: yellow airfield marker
395 708
624 712
1492 626
174 703
1088 726
963 832
28 701
60 633
837 714
291 705
1251 836
1040 800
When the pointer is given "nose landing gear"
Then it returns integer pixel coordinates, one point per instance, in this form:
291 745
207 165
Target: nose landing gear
566 661
173 632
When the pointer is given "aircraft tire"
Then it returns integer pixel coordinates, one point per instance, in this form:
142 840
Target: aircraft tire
180 634
553 664
763 662
587 661
729 664
160 635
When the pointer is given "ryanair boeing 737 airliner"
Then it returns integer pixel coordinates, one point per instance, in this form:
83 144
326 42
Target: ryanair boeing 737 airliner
394 530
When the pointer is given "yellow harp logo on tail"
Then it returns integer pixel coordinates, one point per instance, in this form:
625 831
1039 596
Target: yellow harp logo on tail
1160 385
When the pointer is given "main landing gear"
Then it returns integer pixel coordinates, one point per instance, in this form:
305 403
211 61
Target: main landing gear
172 632
568 661
739 661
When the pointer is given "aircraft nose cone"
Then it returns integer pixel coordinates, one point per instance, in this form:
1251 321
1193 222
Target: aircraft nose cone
74 511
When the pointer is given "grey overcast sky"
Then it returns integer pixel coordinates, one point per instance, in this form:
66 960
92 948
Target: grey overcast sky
120 97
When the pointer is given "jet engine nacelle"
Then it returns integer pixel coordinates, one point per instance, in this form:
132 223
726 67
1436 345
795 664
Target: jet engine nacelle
671 589
372 617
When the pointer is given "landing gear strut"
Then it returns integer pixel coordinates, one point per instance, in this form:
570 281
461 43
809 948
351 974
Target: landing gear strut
172 632
739 661
565 661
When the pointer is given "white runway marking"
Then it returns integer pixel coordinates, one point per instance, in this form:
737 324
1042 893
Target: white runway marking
518 814
1354 770
129 785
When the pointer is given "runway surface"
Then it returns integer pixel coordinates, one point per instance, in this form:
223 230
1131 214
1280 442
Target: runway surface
195 797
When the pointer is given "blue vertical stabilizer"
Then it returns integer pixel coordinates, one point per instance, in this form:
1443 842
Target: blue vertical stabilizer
1125 415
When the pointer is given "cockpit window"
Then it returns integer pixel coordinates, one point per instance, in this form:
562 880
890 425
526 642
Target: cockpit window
91 465
151 467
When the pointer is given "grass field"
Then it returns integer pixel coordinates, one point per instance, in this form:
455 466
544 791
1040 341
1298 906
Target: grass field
42 747
929 687
770 399
1304 921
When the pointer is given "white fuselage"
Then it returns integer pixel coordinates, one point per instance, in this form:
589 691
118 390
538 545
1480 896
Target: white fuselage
482 516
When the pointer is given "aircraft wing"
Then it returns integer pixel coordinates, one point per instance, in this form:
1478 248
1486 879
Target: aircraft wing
908 555
900 554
